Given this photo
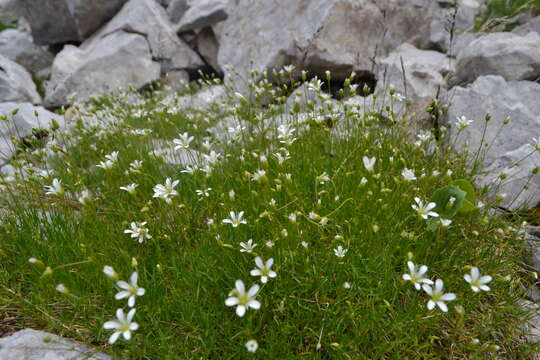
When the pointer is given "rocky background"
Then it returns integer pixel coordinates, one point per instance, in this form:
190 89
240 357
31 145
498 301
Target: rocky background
65 51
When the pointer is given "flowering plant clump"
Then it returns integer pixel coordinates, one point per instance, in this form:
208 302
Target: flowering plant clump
260 226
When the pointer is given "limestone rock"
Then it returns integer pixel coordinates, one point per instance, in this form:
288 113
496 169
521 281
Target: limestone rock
509 55
115 61
31 344
61 21
16 83
424 74
521 188
204 98
177 9
203 13
317 35
19 47
21 125
493 95
444 17
532 25
208 47
149 19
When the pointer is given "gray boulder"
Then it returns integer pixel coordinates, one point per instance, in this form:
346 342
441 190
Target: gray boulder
493 95
19 47
177 9
149 19
20 125
204 98
208 47
31 344
115 61
521 188
532 25
61 21
340 35
424 75
512 56
203 13
444 17
16 83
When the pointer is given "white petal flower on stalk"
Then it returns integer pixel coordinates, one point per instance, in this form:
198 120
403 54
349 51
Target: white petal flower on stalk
462 122
183 141
235 219
110 273
138 231
408 174
264 269
106 165
258 175
112 156
204 192
85 197
477 281
438 297
416 275
340 252
445 222
424 210
248 246
135 165
55 188
131 188
369 163
129 290
286 134
323 178
243 300
166 191
252 346
123 325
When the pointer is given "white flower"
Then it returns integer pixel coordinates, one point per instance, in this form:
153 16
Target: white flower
252 345
190 169
55 189
235 219
138 231
416 275
424 210
424 136
212 158
62 289
408 174
130 291
438 297
167 190
269 243
398 97
315 85
258 175
124 325
536 143
340 251
477 281
205 192
264 270
286 134
243 300
85 197
292 217
347 285
305 244
445 222
462 122
183 142
363 181
109 272
131 188
248 246
282 158
135 165
232 194
369 163
112 156
321 179
106 165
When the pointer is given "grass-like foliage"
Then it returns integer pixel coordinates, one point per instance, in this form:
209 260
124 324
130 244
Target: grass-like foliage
497 12
338 197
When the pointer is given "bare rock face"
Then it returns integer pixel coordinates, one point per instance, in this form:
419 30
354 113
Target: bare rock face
532 25
208 47
115 61
20 125
203 13
16 83
512 56
31 344
149 19
418 74
176 9
503 145
19 47
61 21
317 35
